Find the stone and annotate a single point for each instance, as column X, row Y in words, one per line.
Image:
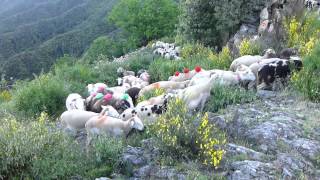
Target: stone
column 292, row 165
column 308, row 148
column 268, row 133
column 218, row 121
column 243, row 170
column 264, row 94
column 166, row 173
column 234, row 150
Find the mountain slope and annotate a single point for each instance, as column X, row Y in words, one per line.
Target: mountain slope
column 33, row 43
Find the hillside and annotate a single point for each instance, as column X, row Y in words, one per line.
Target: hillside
column 34, row 34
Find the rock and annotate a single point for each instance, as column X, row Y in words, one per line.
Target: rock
column 166, row 173
column 133, row 156
column 292, row 165
column 266, row 94
column 267, row 134
column 308, row 148
column 243, row 170
column 143, row 172
column 234, row 150
column 218, row 121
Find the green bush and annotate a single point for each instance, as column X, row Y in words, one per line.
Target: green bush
column 189, row 50
column 75, row 75
column 37, row 150
column 45, row 93
column 145, row 20
column 222, row 96
column 150, row 94
column 142, row 60
column 307, row 80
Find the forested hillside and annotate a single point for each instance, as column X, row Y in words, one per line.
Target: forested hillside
column 34, row 34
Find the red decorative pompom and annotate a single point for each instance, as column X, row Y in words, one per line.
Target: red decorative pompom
column 197, row 69
column 177, row 73
column 186, row 70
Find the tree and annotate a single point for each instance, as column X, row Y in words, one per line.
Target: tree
column 145, row 20
column 212, row 22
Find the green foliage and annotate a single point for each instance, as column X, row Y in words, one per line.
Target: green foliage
column 74, row 75
column 38, row 36
column 212, row 22
column 150, row 94
column 37, row 150
column 189, row 50
column 248, row 47
column 222, row 96
column 45, row 93
column 145, row 20
column 303, row 32
column 307, row 80
column 105, row 47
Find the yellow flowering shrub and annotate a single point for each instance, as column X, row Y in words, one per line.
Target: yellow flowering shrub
column 210, row 142
column 174, row 129
column 303, row 33
column 181, row 134
column 248, row 48
column 5, row 96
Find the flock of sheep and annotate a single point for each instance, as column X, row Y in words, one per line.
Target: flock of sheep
column 115, row 110
column 166, row 50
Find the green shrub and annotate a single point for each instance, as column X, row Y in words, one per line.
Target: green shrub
column 222, row 96
column 142, row 60
column 37, row 150
column 248, row 47
column 189, row 50
column 307, row 80
column 150, row 94
column 45, row 93
column 145, row 20
column 75, row 76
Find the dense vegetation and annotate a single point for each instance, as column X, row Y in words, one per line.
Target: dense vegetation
column 33, row 44
column 213, row 22
column 31, row 145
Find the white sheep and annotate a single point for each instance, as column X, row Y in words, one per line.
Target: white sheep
column 112, row 126
column 249, row 59
column 159, row 100
column 167, row 85
column 76, row 119
column 109, row 111
column 196, row 96
column 75, row 101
